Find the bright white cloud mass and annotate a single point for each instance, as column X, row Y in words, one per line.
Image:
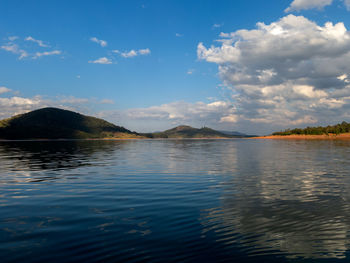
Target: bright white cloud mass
column 292, row 71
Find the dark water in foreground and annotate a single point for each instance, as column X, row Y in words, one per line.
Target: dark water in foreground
column 178, row 200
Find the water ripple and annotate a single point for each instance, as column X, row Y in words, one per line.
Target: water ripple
column 174, row 201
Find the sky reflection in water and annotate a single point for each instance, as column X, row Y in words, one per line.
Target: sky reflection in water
column 176, row 200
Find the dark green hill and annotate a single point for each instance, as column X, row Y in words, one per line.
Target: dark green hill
column 53, row 123
column 190, row 132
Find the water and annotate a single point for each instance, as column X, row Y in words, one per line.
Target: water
column 175, row 201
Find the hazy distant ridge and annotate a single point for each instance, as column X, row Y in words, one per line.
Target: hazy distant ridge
column 54, row 123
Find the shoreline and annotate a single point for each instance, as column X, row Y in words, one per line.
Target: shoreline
column 116, row 139
column 342, row 136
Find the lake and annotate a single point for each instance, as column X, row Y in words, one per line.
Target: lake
column 236, row 200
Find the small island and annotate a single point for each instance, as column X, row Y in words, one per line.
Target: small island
column 54, row 123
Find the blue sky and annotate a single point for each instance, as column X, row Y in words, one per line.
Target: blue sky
column 151, row 65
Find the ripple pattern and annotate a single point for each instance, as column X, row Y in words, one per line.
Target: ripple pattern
column 175, row 201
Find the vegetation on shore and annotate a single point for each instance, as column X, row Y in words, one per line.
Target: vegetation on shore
column 343, row 127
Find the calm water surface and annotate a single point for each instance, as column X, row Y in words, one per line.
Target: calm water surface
column 175, row 200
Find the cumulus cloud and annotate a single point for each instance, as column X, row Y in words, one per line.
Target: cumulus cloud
column 133, row 53
column 102, row 60
column 39, row 42
column 218, row 114
column 16, row 104
column 102, row 43
column 181, row 112
column 290, row 71
column 4, row 90
column 298, row 5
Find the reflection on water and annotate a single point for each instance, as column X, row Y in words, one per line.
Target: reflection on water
column 292, row 200
column 175, row 200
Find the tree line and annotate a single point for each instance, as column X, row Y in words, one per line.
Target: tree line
column 343, row 127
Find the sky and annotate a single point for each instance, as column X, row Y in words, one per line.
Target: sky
column 246, row 65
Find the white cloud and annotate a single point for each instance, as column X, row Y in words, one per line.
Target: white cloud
column 145, row 51
column 347, row 4
column 102, row 60
column 190, row 71
column 298, row 5
column 4, row 90
column 130, row 54
column 102, row 43
column 230, row 118
column 183, row 111
column 133, row 53
column 107, row 101
column 73, row 100
column 16, row 105
column 179, row 35
column 39, row 42
column 13, row 38
column 14, row 48
column 47, row 53
column 281, row 72
column 217, row 26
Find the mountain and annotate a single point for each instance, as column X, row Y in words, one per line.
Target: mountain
column 184, row 131
column 54, row 123
column 235, row 133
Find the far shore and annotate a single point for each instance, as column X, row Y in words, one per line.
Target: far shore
column 342, row 136
column 120, row 139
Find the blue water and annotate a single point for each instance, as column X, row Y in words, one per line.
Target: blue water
column 175, row 201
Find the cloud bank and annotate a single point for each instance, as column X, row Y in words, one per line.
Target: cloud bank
column 298, row 5
column 292, row 71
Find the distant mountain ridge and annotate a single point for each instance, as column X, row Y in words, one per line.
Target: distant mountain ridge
column 54, row 123
column 187, row 132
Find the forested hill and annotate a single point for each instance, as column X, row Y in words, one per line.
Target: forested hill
column 54, row 123
column 343, row 127
column 187, row 132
